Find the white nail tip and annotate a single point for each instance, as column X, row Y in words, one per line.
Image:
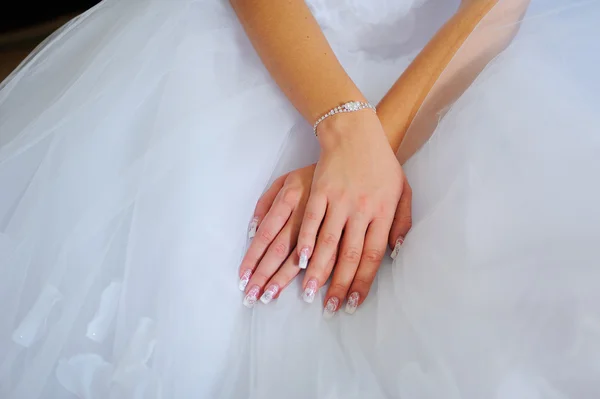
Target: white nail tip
column 251, row 297
column 303, row 263
column 308, row 297
column 266, row 299
column 269, row 294
column 352, row 303
column 310, row 291
column 330, row 308
column 396, row 250
column 244, row 280
column 252, row 228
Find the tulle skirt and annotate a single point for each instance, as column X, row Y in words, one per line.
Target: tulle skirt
column 134, row 144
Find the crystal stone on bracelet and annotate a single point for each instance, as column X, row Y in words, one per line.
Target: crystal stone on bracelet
column 352, row 106
column 347, row 107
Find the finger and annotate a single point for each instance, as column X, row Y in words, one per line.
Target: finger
column 281, row 279
column 277, row 253
column 264, row 204
column 402, row 221
column 348, row 260
column 325, row 252
column 311, row 222
column 285, row 202
column 372, row 255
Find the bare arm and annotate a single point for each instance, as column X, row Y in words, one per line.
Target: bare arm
column 294, row 50
column 400, row 105
column 357, row 184
column 354, row 188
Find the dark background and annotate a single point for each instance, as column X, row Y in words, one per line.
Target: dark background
column 16, row 15
column 24, row 24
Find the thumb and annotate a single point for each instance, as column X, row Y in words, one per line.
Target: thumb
column 402, row 220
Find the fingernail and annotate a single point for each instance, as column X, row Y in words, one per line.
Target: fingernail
column 352, row 303
column 303, row 264
column 309, row 292
column 396, row 250
column 244, row 280
column 330, row 307
column 269, row 294
column 252, row 227
column 251, row 297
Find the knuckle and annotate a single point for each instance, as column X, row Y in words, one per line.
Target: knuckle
column 290, row 196
column 279, row 180
column 362, row 284
column 332, row 260
column 265, row 236
column 342, row 195
column 373, row 255
column 311, row 216
column 382, row 219
column 288, row 179
column 281, row 250
column 330, row 239
column 351, row 255
column 381, row 212
column 364, row 203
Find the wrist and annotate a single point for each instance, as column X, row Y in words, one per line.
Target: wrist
column 343, row 128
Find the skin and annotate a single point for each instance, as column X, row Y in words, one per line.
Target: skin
column 357, row 182
column 357, row 186
column 399, row 107
column 292, row 47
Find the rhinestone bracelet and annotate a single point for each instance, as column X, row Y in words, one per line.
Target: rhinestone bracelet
column 351, row 106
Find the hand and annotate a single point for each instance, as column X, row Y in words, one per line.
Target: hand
column 271, row 262
column 356, row 191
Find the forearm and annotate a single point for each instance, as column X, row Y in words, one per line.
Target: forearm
column 297, row 55
column 399, row 107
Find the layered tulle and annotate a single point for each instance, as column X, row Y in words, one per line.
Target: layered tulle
column 135, row 142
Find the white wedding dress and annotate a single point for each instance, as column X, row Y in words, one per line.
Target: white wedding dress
column 135, row 142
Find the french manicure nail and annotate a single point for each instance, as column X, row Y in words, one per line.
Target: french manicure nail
column 245, row 279
column 309, row 292
column 269, row 294
column 331, row 307
column 396, row 250
column 303, row 264
column 352, row 303
column 252, row 228
column 251, row 297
